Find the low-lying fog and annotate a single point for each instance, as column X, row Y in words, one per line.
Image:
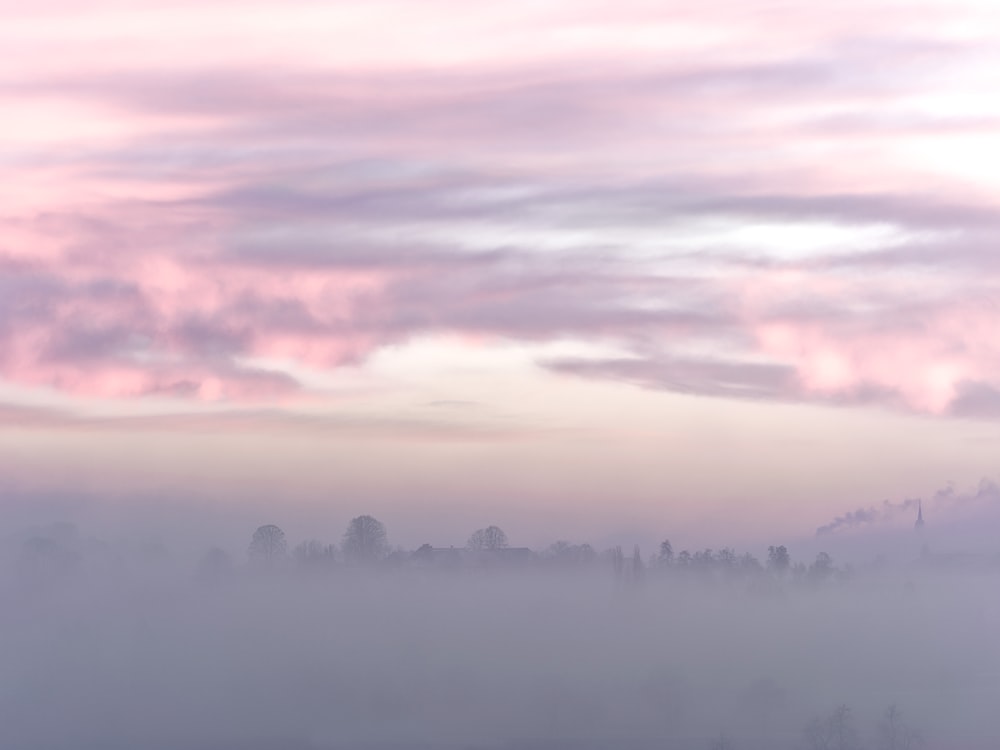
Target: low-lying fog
column 140, row 650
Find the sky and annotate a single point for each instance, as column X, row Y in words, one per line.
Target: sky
column 721, row 271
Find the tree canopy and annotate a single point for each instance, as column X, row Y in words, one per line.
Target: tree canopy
column 267, row 545
column 365, row 540
column 490, row 538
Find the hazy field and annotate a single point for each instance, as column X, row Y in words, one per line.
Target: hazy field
column 156, row 657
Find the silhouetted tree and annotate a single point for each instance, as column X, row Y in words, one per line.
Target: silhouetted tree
column 895, row 734
column 817, row 735
column 315, row 553
column 726, row 558
column 490, row 538
column 268, row 545
column 666, row 555
column 750, row 564
column 720, row 743
column 638, row 568
column 799, row 571
column 704, row 561
column 365, row 540
column 833, row 732
column 822, row 568
column 778, row 560
column 559, row 550
column 617, row 561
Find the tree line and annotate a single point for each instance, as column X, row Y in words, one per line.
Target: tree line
column 365, row 542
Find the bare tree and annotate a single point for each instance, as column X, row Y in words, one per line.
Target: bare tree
column 721, row 743
column 704, row 561
column 666, row 555
column 618, row 561
column 821, row 569
column 268, row 545
column 490, row 538
column 749, row 564
column 638, row 568
column 817, row 736
column 833, row 732
column 726, row 558
column 896, row 734
column 315, row 553
column 365, row 540
column 778, row 559
column 844, row 732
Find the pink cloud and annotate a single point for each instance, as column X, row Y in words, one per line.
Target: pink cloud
column 921, row 341
column 191, row 197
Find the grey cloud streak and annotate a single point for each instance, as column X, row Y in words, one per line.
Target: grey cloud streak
column 705, row 377
column 423, row 421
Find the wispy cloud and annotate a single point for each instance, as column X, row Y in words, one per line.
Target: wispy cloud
column 199, row 217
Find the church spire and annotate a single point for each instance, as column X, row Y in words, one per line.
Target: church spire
column 920, row 516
